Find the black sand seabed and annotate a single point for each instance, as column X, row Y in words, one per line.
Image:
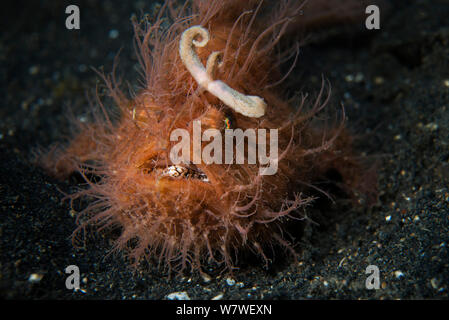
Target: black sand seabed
column 394, row 84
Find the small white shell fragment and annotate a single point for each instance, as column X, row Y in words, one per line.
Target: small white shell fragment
column 230, row 281
column 180, row 295
column 218, row 297
column 206, row 277
column 35, row 277
column 435, row 283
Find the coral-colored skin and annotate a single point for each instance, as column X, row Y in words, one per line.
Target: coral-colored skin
column 186, row 222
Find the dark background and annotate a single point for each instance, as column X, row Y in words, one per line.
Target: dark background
column 394, row 84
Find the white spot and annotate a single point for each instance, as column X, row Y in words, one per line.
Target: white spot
column 181, row 295
column 218, row 297
column 431, row 126
column 230, row 281
column 35, row 277
column 435, row 283
column 349, row 78
column 33, row 70
column 113, row 34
